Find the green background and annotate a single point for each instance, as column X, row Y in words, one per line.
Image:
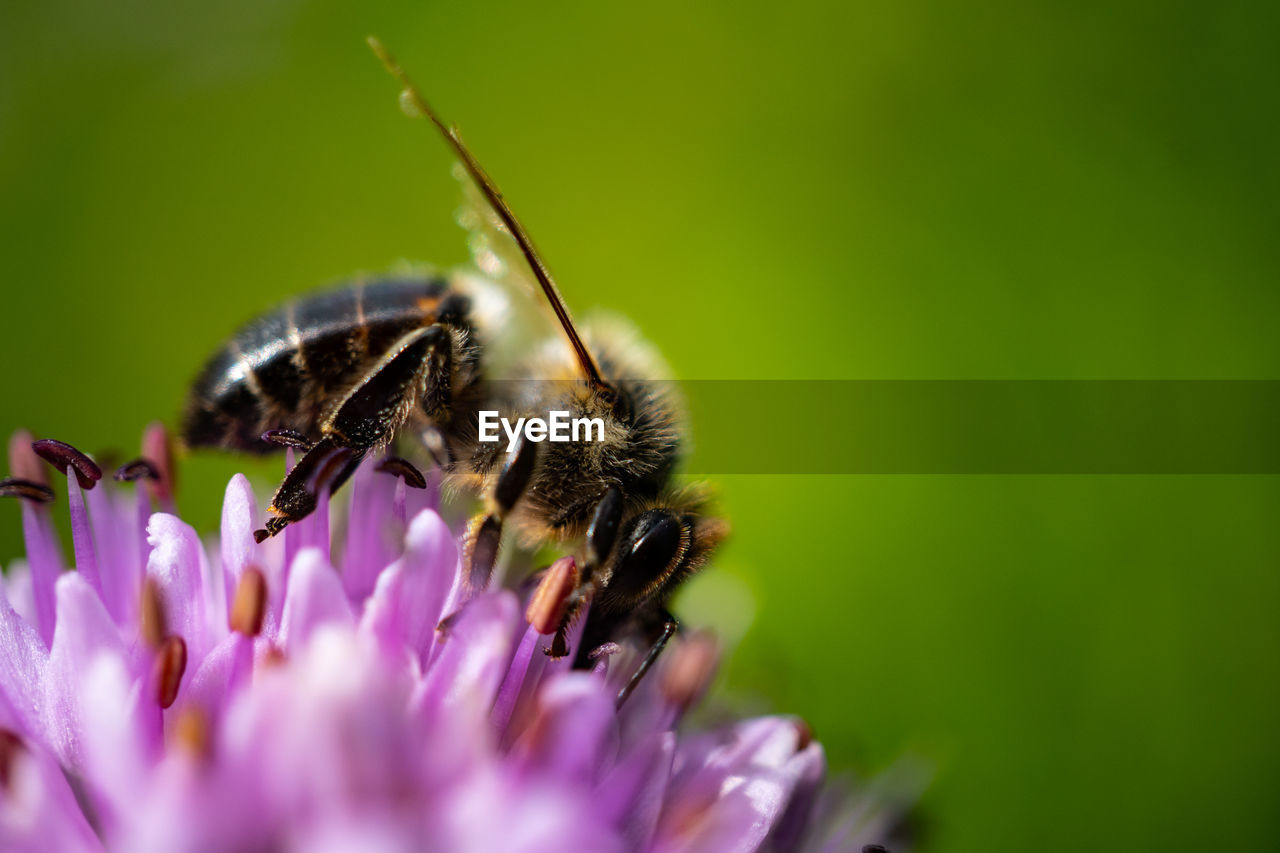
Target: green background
column 874, row 190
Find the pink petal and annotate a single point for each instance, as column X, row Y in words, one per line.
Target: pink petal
column 117, row 751
column 406, row 604
column 23, row 659
column 373, row 539
column 574, row 735
column 239, row 518
column 315, row 597
column 39, row 812
column 631, row 795
column 45, row 559
column 177, row 563
column 85, row 631
column 473, row 657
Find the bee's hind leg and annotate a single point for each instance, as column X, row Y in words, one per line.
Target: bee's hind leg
column 324, row 465
column 415, row 369
column 485, row 532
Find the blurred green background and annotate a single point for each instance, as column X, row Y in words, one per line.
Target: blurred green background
column 832, row 190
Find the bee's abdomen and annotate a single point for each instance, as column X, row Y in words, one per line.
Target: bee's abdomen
column 282, row 370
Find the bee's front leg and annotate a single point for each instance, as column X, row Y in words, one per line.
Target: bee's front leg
column 485, row 531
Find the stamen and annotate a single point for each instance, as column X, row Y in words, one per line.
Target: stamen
column 171, row 664
column 692, row 667
column 23, row 464
column 151, row 614
column 405, row 470
column 34, row 492
column 250, row 605
column 11, row 746
column 287, row 438
column 157, row 447
column 60, row 455
column 550, row 600
column 136, row 470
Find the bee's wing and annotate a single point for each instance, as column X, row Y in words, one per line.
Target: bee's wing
column 510, row 308
column 493, row 250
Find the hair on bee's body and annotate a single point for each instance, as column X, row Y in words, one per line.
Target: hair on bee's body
column 341, row 374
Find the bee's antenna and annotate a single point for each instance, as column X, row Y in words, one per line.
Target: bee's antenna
column 412, row 100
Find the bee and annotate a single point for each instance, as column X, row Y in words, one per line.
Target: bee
column 341, row 374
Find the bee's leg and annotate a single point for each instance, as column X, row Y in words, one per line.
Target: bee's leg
column 599, row 542
column 325, row 464
column 669, row 626
column 367, row 418
column 416, row 369
column 485, row 532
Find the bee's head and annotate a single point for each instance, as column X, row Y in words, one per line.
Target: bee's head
column 657, row 548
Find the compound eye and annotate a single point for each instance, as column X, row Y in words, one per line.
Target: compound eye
column 648, row 551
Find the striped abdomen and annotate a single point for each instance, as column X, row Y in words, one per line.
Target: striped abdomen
column 284, row 369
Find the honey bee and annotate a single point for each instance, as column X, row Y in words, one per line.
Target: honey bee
column 341, row 374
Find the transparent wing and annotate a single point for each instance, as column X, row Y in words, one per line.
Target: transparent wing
column 493, row 250
column 509, row 309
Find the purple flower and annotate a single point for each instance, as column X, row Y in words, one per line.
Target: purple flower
column 171, row 696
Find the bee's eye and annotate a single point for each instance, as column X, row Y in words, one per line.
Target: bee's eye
column 650, row 547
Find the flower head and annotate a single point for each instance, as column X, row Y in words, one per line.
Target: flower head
column 168, row 696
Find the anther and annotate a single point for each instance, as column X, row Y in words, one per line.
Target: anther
column 287, row 438
column 23, row 463
column 34, row 492
column 171, row 664
column 804, row 734
column 600, row 656
column 191, row 730
column 59, row 454
column 874, row 848
column 151, row 614
column 403, row 469
column 138, row 469
column 250, row 605
column 11, row 746
column 604, row 650
column 692, row 666
column 550, row 600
